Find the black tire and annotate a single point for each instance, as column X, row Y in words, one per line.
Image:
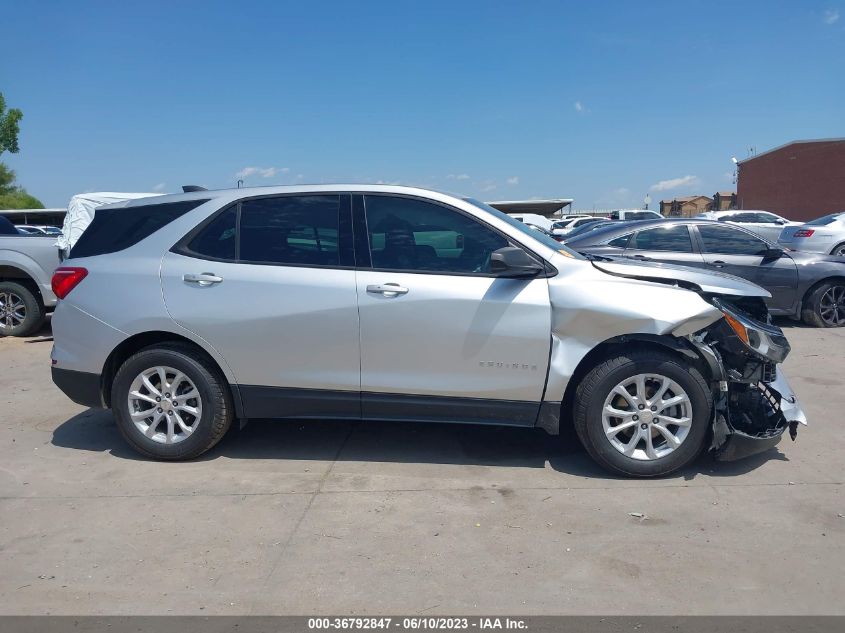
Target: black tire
column 838, row 249
column 816, row 310
column 30, row 302
column 217, row 409
column 597, row 385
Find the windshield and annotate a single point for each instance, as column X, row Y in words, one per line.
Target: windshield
column 827, row 219
column 542, row 237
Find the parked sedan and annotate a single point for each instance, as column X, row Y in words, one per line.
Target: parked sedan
column 763, row 223
column 823, row 235
column 803, row 285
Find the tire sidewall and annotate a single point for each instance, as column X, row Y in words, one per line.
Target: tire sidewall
column 203, row 379
column 815, row 316
column 701, row 403
column 34, row 311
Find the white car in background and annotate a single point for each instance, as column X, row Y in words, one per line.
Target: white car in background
column 566, row 226
column 534, row 220
column 765, row 224
column 634, row 214
column 823, row 235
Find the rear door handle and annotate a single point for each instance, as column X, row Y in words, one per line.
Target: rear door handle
column 718, row 263
column 388, row 289
column 202, row 279
column 642, row 257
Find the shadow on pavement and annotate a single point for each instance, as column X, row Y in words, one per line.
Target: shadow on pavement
column 458, row 444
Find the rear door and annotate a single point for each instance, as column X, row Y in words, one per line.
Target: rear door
column 441, row 337
column 270, row 283
column 737, row 252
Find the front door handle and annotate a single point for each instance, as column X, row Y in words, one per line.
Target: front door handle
column 202, row 279
column 388, row 289
column 718, row 263
column 641, row 257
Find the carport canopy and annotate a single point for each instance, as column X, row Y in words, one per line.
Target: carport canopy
column 546, row 208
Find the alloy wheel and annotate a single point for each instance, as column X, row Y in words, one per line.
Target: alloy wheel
column 647, row 416
column 12, row 310
column 832, row 306
column 164, row 404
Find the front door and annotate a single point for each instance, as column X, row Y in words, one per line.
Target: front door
column 736, row 252
column 442, row 339
column 270, row 284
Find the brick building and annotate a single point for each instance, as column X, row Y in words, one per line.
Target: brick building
column 801, row 180
column 685, row 206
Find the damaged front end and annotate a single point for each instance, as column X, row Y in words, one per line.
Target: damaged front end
column 754, row 404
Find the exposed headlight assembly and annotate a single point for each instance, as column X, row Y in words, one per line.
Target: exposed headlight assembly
column 763, row 339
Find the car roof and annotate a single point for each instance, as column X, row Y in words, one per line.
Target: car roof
column 283, row 189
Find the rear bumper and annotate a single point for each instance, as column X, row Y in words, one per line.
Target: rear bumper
column 80, row 386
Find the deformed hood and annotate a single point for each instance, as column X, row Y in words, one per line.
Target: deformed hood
column 708, row 281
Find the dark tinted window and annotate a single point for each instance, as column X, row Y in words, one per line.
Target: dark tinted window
column 641, row 215
column 408, row 234
column 741, row 218
column 295, row 230
column 6, row 227
column 728, row 241
column 827, row 219
column 620, row 242
column 217, row 239
column 673, row 238
column 116, row 229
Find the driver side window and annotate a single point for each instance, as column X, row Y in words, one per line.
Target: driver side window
column 417, row 236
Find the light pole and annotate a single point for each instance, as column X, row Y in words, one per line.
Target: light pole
column 647, row 200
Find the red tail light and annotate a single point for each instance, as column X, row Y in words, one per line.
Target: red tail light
column 804, row 233
column 66, row 279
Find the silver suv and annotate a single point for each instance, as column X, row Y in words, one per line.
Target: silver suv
column 185, row 312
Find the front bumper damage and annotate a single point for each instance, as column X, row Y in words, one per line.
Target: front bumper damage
column 754, row 403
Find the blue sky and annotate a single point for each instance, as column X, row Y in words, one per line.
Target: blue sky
column 599, row 101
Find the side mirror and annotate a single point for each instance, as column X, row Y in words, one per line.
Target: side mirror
column 514, row 262
column 773, row 253
column 781, row 222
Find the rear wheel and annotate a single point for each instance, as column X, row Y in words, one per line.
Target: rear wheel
column 21, row 312
column 825, row 305
column 839, row 249
column 643, row 414
column 170, row 402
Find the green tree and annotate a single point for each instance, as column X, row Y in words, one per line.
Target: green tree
column 9, row 128
column 12, row 196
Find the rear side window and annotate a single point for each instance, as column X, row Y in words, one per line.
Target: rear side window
column 673, row 239
column 293, row 230
column 290, row 230
column 620, row 242
column 114, row 230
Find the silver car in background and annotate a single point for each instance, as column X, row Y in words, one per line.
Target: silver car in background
column 764, row 223
column 185, row 312
column 823, row 235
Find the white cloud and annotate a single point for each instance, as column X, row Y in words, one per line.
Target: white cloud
column 831, row 16
column 160, row 186
column 674, row 183
column 579, row 107
column 263, row 172
column 458, row 176
column 514, row 180
column 487, row 185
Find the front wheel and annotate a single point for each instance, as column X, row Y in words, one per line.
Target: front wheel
column 171, row 403
column 643, row 414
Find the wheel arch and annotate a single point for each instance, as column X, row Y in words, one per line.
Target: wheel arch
column 137, row 342
column 815, row 286
column 625, row 343
column 840, row 244
column 25, row 278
